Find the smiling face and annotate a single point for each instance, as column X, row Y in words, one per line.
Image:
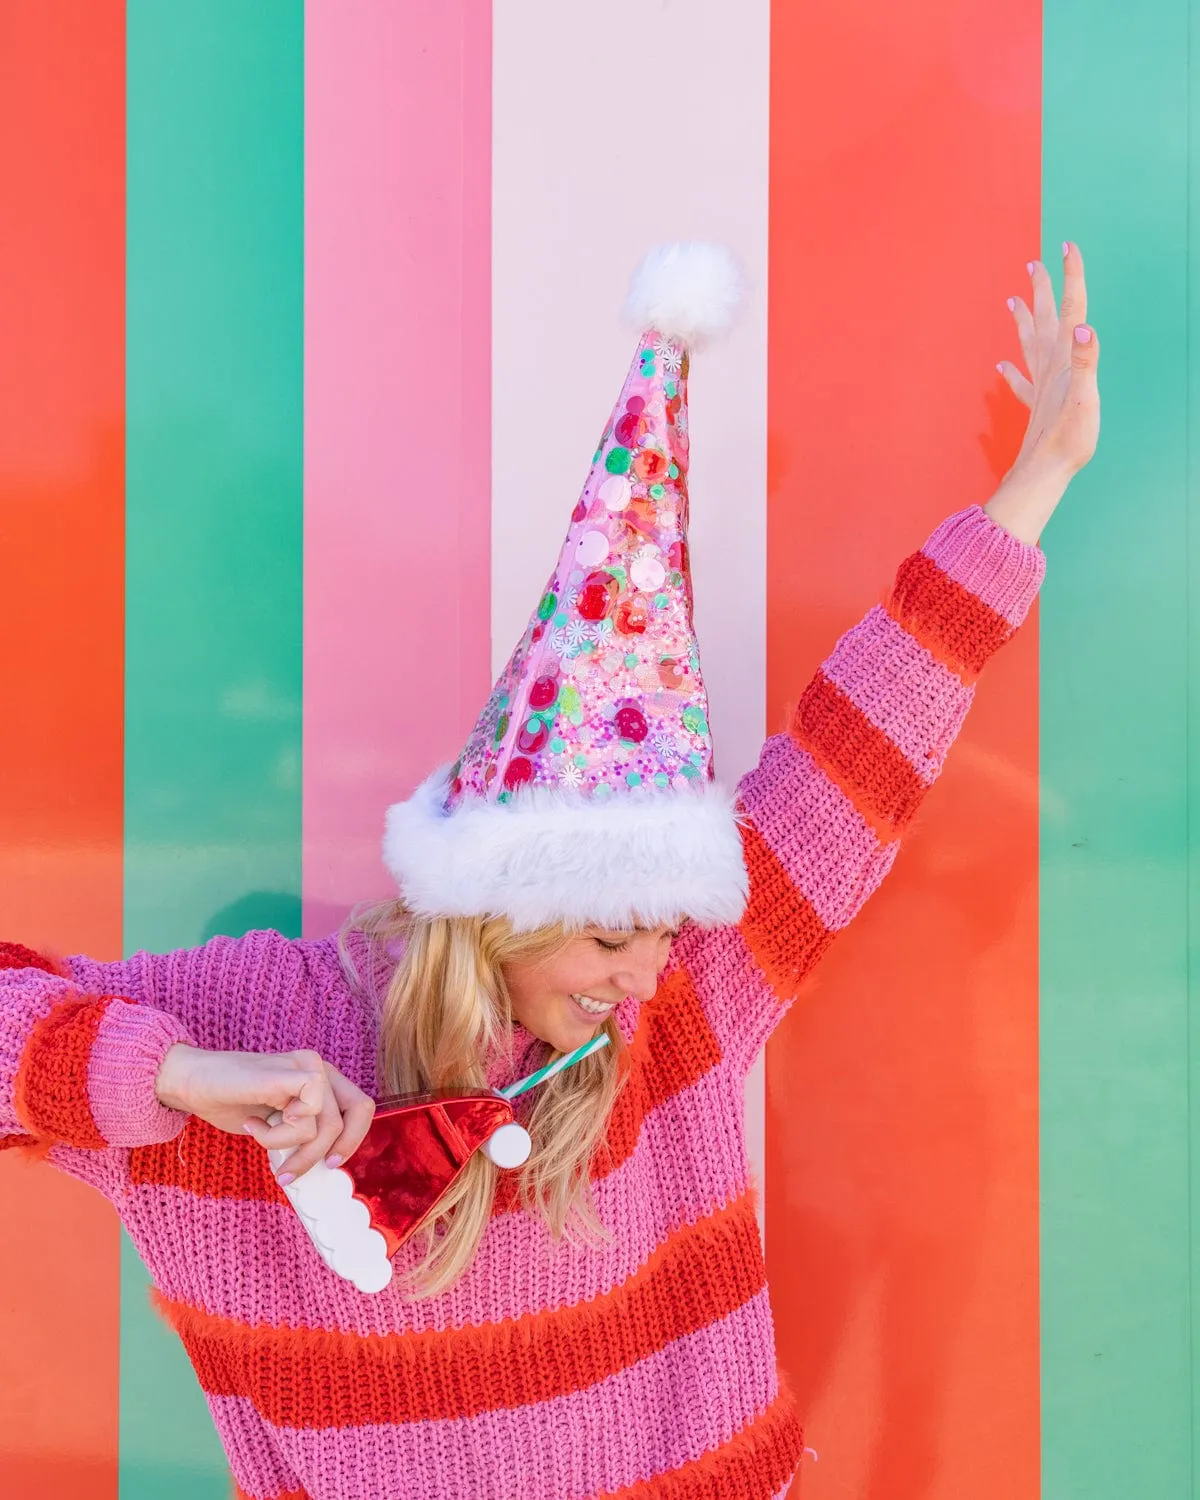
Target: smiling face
column 564, row 999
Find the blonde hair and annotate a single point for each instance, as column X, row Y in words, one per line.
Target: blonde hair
column 445, row 1015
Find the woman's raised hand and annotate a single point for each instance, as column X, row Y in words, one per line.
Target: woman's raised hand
column 325, row 1116
column 1061, row 354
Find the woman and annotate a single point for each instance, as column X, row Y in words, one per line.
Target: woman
column 598, row 1324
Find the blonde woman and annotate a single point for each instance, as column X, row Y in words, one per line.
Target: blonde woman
column 597, row 1323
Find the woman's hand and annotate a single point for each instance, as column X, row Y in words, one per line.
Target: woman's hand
column 1061, row 353
column 324, row 1114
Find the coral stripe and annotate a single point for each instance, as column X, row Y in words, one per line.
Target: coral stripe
column 506, row 1452
column 62, row 435
column 397, row 464
column 882, row 669
column 955, row 626
column 859, row 757
column 51, row 1094
column 298, row 1377
column 902, row 1174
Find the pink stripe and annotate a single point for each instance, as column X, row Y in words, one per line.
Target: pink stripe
column 513, row 1274
column 989, row 561
column 574, row 1446
column 819, row 837
column 252, row 1448
column 918, row 703
column 397, row 428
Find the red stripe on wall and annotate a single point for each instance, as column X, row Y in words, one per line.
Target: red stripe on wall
column 62, row 273
column 901, row 1126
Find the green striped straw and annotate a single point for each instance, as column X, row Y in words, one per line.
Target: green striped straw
column 557, row 1066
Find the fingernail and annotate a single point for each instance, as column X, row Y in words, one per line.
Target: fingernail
column 334, row 1160
column 1066, row 248
column 1083, row 334
column 1029, row 265
column 1012, row 304
column 286, row 1178
column 1000, row 368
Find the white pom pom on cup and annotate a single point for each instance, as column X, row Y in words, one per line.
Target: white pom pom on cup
column 691, row 291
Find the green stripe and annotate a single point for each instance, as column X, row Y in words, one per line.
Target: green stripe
column 1116, row 1230
column 214, row 561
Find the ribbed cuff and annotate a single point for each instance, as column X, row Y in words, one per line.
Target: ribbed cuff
column 122, row 1070
column 992, row 563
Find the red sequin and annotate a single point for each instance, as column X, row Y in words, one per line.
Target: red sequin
column 597, row 596
column 543, row 693
column 636, row 404
column 630, row 428
column 631, row 617
column 631, row 724
column 519, row 773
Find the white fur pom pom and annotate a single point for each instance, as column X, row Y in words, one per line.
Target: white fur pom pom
column 688, row 291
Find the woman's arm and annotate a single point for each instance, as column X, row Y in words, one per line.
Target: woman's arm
column 830, row 800
column 96, row 1055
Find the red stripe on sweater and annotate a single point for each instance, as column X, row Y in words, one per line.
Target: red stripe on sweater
column 302, row 1377
column 782, row 930
column 754, row 1464
column 17, row 956
column 51, row 1091
column 873, row 772
column 673, row 1048
column 240, row 1494
column 954, row 625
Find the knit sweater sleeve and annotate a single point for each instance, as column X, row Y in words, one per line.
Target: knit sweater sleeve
column 81, row 1042
column 826, row 807
column 78, row 1069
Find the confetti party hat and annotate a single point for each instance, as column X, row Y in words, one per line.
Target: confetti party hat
column 586, row 792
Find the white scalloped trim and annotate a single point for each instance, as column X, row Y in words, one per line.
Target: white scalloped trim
column 338, row 1224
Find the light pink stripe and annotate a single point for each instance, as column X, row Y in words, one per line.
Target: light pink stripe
column 918, row 703
column 252, row 1449
column 665, row 1411
column 397, row 430
column 131, row 1042
column 517, row 1270
column 989, row 561
column 815, row 831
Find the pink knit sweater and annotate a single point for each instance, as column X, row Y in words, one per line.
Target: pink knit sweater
column 642, row 1368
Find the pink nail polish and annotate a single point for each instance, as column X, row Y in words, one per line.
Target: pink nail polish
column 1066, row 248
column 1083, row 334
column 1029, row 265
column 334, row 1161
column 285, row 1179
column 1012, row 304
column 1000, row 368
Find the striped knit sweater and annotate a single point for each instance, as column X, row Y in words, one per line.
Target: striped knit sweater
column 641, row 1368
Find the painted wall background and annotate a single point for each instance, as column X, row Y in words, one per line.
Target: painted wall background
column 286, row 297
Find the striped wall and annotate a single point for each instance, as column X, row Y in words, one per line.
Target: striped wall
column 307, row 330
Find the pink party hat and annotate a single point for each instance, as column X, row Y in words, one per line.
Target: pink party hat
column 586, row 792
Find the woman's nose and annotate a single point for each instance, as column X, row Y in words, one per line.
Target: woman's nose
column 641, row 981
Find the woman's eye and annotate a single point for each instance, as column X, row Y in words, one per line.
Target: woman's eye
column 613, row 947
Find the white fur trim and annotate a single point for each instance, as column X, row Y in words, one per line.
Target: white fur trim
column 645, row 858
column 689, row 291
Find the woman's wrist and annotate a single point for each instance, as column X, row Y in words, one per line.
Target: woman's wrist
column 168, row 1085
column 1028, row 497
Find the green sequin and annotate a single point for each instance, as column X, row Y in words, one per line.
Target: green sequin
column 632, row 778
column 581, row 762
column 673, row 470
column 557, row 746
column 661, row 601
column 617, row 462
column 662, row 779
column 547, row 607
column 631, row 660
column 657, row 491
column 694, row 721
column 690, row 772
column 501, row 727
